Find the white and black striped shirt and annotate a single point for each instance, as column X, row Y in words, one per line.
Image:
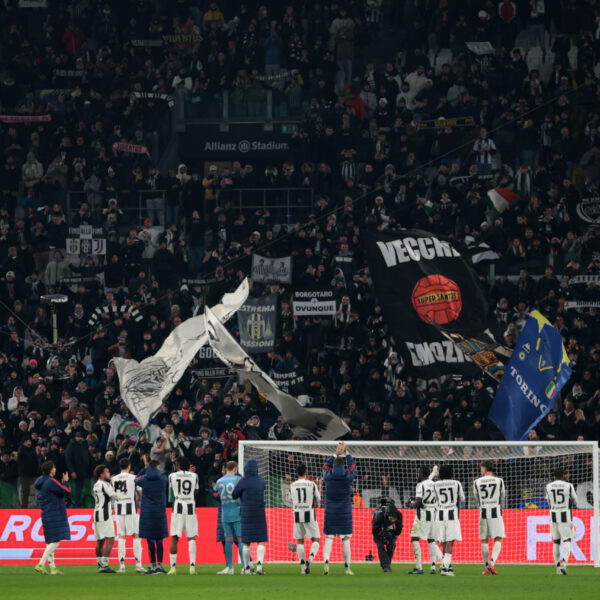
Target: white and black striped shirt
column 124, row 486
column 103, row 495
column 562, row 499
column 305, row 495
column 489, row 494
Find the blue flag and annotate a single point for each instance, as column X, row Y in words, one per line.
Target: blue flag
column 537, row 371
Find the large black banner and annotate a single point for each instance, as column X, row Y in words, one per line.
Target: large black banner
column 420, row 280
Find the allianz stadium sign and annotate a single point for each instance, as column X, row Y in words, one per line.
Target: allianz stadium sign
column 244, row 146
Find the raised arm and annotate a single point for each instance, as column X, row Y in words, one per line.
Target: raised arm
column 351, row 473
column 327, row 468
column 59, row 488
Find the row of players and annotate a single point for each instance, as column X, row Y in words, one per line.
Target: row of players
column 242, row 515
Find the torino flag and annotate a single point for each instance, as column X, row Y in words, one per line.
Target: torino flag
column 425, row 285
column 306, row 423
column 145, row 385
column 537, row 371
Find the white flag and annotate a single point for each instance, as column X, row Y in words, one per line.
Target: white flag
column 145, row 385
column 306, row 423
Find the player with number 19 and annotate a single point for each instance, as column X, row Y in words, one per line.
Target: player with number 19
column 562, row 498
column 305, row 495
column 183, row 484
column 490, row 494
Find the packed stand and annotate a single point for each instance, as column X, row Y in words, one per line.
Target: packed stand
column 361, row 148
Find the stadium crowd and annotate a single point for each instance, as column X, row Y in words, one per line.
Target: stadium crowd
column 368, row 149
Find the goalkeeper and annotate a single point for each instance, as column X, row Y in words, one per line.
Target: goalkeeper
column 386, row 527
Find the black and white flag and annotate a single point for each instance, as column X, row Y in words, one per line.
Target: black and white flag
column 145, row 385
column 306, row 423
column 257, row 321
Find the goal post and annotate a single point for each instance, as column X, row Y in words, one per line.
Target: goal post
column 389, row 470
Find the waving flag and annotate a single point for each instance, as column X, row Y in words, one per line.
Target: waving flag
column 306, row 423
column 145, row 385
column 536, row 373
column 502, row 198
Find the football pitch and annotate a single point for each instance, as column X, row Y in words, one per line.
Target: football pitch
column 285, row 582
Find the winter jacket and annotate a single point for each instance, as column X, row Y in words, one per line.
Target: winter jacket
column 250, row 489
column 78, row 459
column 338, row 496
column 51, row 495
column 153, row 512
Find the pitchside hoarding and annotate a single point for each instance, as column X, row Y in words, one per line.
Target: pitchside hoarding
column 528, row 538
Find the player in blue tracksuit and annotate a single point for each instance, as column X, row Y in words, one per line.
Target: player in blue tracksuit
column 230, row 516
column 338, row 475
column 153, row 512
column 250, row 489
column 51, row 495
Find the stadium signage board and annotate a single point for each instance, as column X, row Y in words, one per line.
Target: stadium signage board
column 308, row 303
column 528, row 538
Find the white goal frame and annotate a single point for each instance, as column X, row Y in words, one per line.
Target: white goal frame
column 591, row 446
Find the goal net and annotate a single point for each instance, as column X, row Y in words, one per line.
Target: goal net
column 389, row 470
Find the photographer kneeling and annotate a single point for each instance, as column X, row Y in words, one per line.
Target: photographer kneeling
column 386, row 527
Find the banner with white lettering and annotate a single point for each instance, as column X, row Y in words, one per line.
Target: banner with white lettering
column 257, row 321
column 307, row 303
column 424, row 284
column 292, row 381
column 265, row 269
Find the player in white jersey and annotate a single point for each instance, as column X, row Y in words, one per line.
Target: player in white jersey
column 104, row 528
column 128, row 519
column 561, row 498
column 424, row 525
column 490, row 494
column 449, row 494
column 305, row 496
column 183, row 484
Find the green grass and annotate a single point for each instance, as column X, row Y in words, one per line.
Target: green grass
column 284, row 582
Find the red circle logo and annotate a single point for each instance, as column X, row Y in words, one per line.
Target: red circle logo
column 437, row 298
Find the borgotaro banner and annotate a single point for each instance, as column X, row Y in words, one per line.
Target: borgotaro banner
column 536, row 372
column 424, row 284
column 266, row 269
column 257, row 322
column 145, row 385
column 308, row 303
column 306, row 423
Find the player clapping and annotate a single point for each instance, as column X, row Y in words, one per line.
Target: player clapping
column 338, row 504
column 449, row 494
column 489, row 494
column 183, row 484
column 562, row 498
column 305, row 496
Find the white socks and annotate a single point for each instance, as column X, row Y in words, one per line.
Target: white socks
column 301, row 553
column 137, row 550
column 485, row 553
column 434, row 553
column 566, row 551
column 496, row 552
column 173, row 560
column 346, row 551
column 121, row 550
column 192, row 549
column 247, row 555
column 314, row 548
column 260, row 554
column 556, row 553
column 327, row 549
column 48, row 555
column 417, row 552
column 446, row 560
